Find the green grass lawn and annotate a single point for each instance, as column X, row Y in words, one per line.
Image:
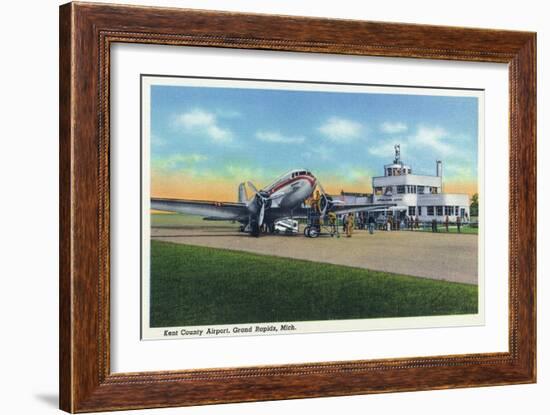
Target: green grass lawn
column 192, row 285
column 465, row 229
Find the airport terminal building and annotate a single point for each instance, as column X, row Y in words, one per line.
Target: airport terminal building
column 414, row 194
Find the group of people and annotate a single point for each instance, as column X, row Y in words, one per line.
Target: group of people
column 408, row 222
column 458, row 222
column 349, row 222
column 412, row 223
column 352, row 221
column 363, row 220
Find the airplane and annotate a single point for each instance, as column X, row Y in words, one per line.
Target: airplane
column 284, row 198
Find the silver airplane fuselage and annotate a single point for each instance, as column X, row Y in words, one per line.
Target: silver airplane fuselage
column 290, row 190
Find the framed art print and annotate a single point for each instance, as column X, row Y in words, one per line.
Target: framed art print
column 262, row 207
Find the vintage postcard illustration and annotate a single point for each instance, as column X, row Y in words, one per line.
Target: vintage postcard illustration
column 275, row 207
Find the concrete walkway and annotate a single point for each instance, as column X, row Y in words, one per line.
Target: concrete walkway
column 439, row 256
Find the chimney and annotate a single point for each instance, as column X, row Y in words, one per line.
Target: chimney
column 439, row 168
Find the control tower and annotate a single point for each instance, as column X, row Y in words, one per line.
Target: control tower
column 418, row 195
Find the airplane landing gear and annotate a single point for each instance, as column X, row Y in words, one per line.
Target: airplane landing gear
column 316, row 227
column 311, row 231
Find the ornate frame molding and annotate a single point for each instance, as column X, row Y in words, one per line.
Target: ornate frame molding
column 86, row 34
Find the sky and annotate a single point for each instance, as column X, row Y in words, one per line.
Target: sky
column 206, row 140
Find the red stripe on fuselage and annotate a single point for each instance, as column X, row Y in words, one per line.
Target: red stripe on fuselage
column 310, row 179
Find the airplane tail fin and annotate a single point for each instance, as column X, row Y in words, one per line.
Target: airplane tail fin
column 242, row 195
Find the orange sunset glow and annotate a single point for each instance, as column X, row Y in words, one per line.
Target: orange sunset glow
column 225, row 190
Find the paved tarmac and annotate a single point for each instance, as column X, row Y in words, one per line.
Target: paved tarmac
column 441, row 256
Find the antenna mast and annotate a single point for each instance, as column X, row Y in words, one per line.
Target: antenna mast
column 397, row 159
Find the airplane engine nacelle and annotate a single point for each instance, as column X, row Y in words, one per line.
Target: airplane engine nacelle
column 262, row 198
column 326, row 203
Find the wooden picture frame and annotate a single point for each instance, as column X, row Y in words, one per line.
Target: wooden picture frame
column 86, row 33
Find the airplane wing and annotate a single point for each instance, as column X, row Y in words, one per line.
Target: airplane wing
column 210, row 210
column 276, row 213
column 341, row 209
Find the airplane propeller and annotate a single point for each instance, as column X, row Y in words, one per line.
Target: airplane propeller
column 263, row 200
column 327, row 202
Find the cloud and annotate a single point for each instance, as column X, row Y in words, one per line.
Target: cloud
column 275, row 137
column 433, row 138
column 341, row 130
column 204, row 122
column 393, row 127
column 178, row 161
